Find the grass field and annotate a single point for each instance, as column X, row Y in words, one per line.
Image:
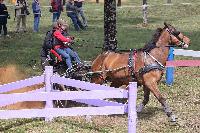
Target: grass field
column 183, row 96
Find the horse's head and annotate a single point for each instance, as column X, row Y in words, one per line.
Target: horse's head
column 176, row 37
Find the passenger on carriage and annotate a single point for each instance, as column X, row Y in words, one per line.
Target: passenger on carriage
column 62, row 44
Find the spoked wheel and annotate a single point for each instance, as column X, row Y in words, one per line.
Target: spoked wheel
column 59, row 103
column 78, row 74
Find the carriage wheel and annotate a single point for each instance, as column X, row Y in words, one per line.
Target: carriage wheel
column 80, row 74
column 59, row 103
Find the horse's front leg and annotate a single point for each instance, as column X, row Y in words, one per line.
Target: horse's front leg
column 145, row 100
column 152, row 85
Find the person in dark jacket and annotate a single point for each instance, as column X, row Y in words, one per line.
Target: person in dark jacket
column 3, row 17
column 64, row 50
column 57, row 7
column 79, row 5
column 72, row 12
column 37, row 14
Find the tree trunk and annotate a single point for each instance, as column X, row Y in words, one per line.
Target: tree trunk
column 169, row 1
column 144, row 9
column 110, row 31
column 97, row 1
column 119, row 3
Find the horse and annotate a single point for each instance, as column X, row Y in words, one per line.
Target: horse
column 144, row 66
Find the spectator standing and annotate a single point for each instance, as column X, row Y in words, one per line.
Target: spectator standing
column 3, row 17
column 72, row 12
column 79, row 5
column 37, row 14
column 57, row 7
column 21, row 12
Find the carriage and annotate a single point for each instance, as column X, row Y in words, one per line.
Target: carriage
column 52, row 58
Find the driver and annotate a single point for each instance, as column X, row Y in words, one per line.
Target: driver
column 62, row 44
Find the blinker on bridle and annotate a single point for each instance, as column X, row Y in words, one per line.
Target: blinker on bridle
column 176, row 34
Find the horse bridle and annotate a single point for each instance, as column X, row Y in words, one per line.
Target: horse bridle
column 176, row 34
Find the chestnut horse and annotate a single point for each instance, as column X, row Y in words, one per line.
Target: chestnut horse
column 144, row 66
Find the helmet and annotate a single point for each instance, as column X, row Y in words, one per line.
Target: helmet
column 61, row 23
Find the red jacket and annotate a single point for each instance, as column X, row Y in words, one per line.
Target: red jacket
column 57, row 5
column 59, row 39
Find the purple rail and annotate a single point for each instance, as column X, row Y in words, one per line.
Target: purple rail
column 80, row 84
column 65, row 95
column 98, row 102
column 5, row 102
column 55, row 112
column 21, row 84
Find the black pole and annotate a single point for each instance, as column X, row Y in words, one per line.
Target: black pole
column 64, row 1
column 119, row 3
column 110, row 31
column 169, row 1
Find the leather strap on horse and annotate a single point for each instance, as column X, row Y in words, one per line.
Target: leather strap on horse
column 131, row 62
column 157, row 65
column 150, row 67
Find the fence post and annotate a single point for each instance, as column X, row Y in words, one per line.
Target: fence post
column 132, row 114
column 170, row 70
column 48, row 87
column 144, row 11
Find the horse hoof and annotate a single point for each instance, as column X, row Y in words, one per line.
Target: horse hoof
column 139, row 108
column 173, row 118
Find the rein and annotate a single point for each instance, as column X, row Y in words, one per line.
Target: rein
column 108, row 70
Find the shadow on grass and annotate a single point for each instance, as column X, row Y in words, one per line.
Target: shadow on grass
column 81, row 125
column 148, row 112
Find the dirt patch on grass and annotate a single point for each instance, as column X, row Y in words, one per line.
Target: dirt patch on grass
column 11, row 74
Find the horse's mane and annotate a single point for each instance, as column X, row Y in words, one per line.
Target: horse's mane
column 152, row 44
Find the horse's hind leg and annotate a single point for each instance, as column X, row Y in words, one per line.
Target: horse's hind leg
column 145, row 100
column 152, row 85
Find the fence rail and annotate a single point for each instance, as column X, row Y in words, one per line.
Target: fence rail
column 183, row 63
column 21, row 84
column 56, row 112
column 65, row 95
column 171, row 63
column 187, row 52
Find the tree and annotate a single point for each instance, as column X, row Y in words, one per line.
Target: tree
column 110, row 31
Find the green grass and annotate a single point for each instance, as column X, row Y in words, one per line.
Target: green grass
column 183, row 97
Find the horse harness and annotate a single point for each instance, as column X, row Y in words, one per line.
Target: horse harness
column 131, row 62
column 157, row 65
column 131, row 66
column 132, row 59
